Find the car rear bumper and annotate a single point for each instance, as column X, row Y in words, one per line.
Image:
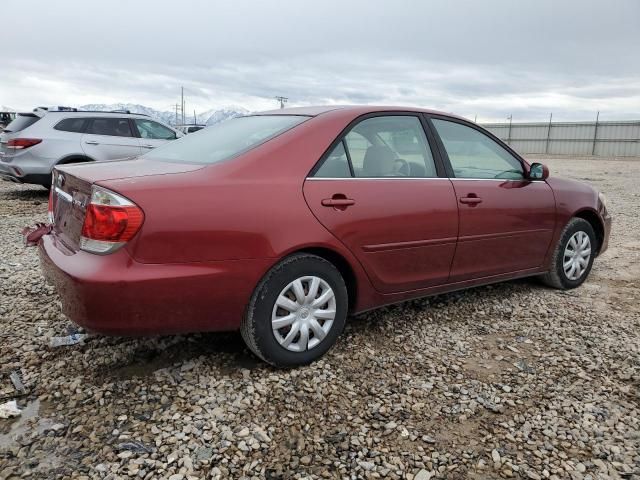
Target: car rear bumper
column 115, row 295
column 25, row 169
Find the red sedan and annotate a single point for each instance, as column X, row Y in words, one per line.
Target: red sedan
column 280, row 224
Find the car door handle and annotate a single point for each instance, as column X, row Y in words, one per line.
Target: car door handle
column 338, row 201
column 146, row 146
column 470, row 200
column 91, row 142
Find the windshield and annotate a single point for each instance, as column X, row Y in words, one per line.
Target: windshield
column 225, row 140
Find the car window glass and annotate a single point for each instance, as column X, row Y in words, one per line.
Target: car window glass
column 74, row 125
column 336, row 165
column 474, row 155
column 390, row 146
column 226, row 139
column 22, row 121
column 154, row 131
column 116, row 127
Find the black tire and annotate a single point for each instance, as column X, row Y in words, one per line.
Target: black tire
column 556, row 277
column 256, row 326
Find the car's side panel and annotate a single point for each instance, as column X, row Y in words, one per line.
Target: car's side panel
column 571, row 198
column 509, row 230
column 403, row 231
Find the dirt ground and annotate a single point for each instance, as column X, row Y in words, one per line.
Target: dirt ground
column 513, row 380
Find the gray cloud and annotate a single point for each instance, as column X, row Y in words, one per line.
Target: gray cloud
column 490, row 58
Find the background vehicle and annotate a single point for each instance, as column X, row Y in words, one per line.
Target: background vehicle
column 34, row 142
column 282, row 223
column 191, row 128
column 6, row 118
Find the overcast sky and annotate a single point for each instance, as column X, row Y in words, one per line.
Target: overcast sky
column 489, row 58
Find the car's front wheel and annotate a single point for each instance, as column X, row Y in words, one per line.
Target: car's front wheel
column 573, row 257
column 297, row 311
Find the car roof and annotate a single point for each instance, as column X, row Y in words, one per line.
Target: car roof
column 357, row 110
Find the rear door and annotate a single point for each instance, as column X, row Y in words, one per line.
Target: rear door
column 152, row 134
column 378, row 190
column 108, row 138
column 506, row 221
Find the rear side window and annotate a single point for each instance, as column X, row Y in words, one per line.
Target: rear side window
column 336, row 165
column 154, row 131
column 384, row 146
column 22, row 121
column 225, row 140
column 115, row 127
column 75, row 125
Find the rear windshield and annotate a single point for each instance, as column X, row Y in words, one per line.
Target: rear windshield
column 225, row 140
column 22, row 121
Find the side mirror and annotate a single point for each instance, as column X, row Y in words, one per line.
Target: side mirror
column 538, row 171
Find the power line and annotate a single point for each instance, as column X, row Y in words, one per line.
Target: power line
column 282, row 100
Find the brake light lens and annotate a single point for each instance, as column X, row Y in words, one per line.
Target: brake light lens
column 22, row 143
column 110, row 221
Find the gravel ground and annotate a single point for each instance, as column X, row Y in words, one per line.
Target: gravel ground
column 512, row 380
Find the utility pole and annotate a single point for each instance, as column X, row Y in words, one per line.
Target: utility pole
column 282, row 100
column 182, row 103
column 510, row 117
column 194, row 118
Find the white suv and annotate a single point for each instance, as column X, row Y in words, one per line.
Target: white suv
column 35, row 142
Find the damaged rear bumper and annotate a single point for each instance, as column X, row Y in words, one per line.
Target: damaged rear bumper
column 115, row 295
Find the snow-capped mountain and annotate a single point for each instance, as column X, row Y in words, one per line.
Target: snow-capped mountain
column 208, row 117
column 4, row 108
column 217, row 116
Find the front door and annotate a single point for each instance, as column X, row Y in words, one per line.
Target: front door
column 379, row 193
column 506, row 221
column 108, row 138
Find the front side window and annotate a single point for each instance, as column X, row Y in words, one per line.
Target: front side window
column 225, row 140
column 474, row 155
column 115, row 127
column 390, row 146
column 153, row 130
column 74, row 125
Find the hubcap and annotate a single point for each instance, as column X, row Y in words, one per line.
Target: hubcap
column 303, row 314
column 576, row 255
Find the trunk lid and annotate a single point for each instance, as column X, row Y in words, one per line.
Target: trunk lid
column 70, row 196
column 71, row 189
column 115, row 169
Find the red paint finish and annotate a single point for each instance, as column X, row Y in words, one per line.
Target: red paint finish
column 211, row 232
column 509, row 226
column 403, row 231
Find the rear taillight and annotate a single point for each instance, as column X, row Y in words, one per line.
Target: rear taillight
column 110, row 221
column 22, row 143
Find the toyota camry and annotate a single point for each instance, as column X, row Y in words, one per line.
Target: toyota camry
column 282, row 224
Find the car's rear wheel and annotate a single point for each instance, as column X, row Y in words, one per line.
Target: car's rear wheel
column 296, row 312
column 573, row 256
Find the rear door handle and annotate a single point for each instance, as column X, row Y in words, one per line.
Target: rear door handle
column 146, row 146
column 91, row 142
column 338, row 202
column 470, row 200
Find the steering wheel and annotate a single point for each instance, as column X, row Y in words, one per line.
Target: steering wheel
column 508, row 174
column 401, row 168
